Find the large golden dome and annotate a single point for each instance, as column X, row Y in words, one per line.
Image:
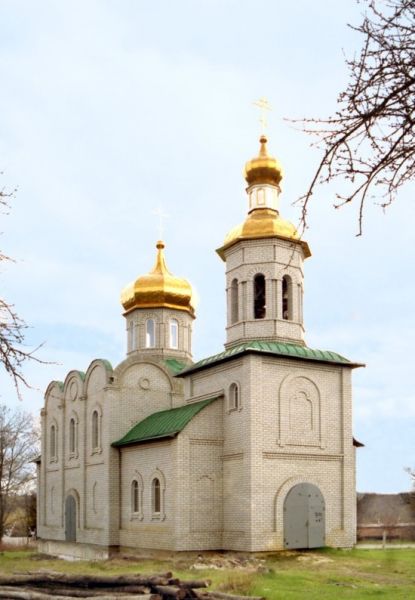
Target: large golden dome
column 158, row 289
column 263, row 223
column 263, row 168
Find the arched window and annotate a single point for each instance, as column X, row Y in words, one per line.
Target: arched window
column 130, row 336
column 156, row 495
column 135, row 497
column 287, row 300
column 133, row 339
column 234, row 301
column 173, row 333
column 259, row 296
column 150, row 333
column 52, row 444
column 95, row 430
column 300, row 302
column 234, row 400
column 72, row 436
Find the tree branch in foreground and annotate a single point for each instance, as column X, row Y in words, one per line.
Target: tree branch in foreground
column 12, row 329
column 370, row 141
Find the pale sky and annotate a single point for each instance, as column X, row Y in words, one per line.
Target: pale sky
column 112, row 108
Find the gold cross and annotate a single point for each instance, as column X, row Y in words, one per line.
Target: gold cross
column 263, row 105
column 161, row 215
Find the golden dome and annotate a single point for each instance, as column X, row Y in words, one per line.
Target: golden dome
column 158, row 289
column 263, row 223
column 263, row 168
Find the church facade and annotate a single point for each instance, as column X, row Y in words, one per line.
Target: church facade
column 247, row 450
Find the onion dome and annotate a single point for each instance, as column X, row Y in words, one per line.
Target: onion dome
column 263, row 168
column 263, row 175
column 263, row 223
column 158, row 289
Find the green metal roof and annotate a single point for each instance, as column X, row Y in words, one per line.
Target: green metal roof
column 273, row 348
column 174, row 366
column 166, row 423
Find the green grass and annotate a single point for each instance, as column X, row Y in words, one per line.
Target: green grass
column 315, row 575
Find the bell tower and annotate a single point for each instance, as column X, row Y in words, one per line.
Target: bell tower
column 264, row 263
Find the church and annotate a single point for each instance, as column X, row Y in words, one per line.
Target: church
column 247, row 450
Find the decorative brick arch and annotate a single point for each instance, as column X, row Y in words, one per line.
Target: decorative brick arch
column 298, row 383
column 106, row 371
column 137, row 477
column 96, row 408
column 258, row 270
column 75, row 495
column 132, row 360
column 73, row 387
column 278, row 521
column 48, row 430
column 72, row 416
column 158, row 474
column 54, row 394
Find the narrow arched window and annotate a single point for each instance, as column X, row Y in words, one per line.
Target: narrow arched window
column 234, row 301
column 259, row 296
column 234, row 401
column 52, row 448
column 95, row 430
column 72, row 436
column 287, row 300
column 156, row 495
column 173, row 333
column 135, row 497
column 130, row 336
column 150, row 333
column 133, row 340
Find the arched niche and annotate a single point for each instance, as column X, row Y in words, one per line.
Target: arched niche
column 300, row 412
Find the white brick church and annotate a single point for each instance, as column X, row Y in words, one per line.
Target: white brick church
column 250, row 449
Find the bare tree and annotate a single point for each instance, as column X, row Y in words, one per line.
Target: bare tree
column 12, row 328
column 18, row 447
column 370, row 140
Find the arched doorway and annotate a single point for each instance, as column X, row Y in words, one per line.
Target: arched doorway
column 70, row 519
column 304, row 517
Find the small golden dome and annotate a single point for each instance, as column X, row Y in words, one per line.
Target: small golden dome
column 158, row 289
column 263, row 223
column 263, row 168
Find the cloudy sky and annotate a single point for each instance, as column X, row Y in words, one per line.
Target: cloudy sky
column 112, row 108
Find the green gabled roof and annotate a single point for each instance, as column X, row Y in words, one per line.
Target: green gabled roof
column 163, row 424
column 174, row 366
column 275, row 349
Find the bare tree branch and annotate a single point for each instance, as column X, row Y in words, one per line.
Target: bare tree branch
column 19, row 444
column 13, row 353
column 369, row 142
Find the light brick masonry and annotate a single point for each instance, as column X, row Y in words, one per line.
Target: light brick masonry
column 222, row 481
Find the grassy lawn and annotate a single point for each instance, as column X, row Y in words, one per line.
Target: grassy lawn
column 314, row 575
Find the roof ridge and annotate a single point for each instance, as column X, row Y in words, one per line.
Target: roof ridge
column 277, row 348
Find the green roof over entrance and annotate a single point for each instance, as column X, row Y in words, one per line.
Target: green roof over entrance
column 163, row 424
column 273, row 348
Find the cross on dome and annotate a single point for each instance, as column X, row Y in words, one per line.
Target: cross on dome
column 263, row 106
column 159, row 212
